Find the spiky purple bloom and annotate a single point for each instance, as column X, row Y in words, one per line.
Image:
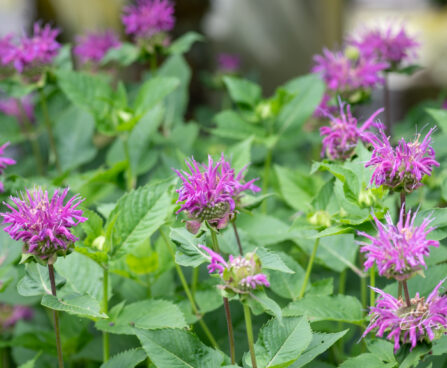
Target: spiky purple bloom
column 344, row 74
column 11, row 314
column 148, row 17
column 386, row 45
column 229, row 63
column 93, row 46
column 403, row 324
column 403, row 167
column 342, row 135
column 240, row 274
column 11, row 107
column 398, row 250
column 211, row 192
column 4, row 162
column 35, row 51
column 42, row 224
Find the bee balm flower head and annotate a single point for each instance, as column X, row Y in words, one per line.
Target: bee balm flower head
column 93, row 46
column 43, row 224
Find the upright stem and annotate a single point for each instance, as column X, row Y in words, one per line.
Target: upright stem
column 28, row 127
column 399, row 289
column 363, row 292
column 130, row 179
column 56, row 318
column 342, row 282
column 190, row 297
column 153, row 62
column 309, row 268
column 226, row 304
column 407, row 295
column 43, row 101
column 105, row 309
column 250, row 339
column 194, row 280
column 265, row 185
column 238, row 240
column 387, row 104
column 372, row 283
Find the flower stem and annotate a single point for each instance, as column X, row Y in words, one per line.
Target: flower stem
column 43, row 101
column 153, row 62
column 105, row 309
column 372, row 283
column 403, row 205
column 407, row 295
column 342, row 282
column 194, row 280
column 238, row 240
column 265, row 186
column 363, row 292
column 28, row 127
column 56, row 317
column 387, row 104
column 250, row 339
column 399, row 289
column 190, row 297
column 130, row 179
column 309, row 268
column 226, row 304
column 230, row 330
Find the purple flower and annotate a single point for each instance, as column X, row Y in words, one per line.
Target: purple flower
column 398, row 250
column 405, row 324
column 43, row 225
column 342, row 135
column 343, row 74
column 10, row 315
column 229, row 63
column 240, row 274
column 35, row 51
column 386, row 45
column 4, row 162
column 11, row 107
column 324, row 108
column 211, row 192
column 148, row 17
column 403, row 167
column 93, row 46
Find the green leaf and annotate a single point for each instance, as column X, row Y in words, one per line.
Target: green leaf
column 82, row 274
column 146, row 314
column 35, row 282
column 32, row 362
column 124, row 55
column 76, row 148
column 189, row 254
column 439, row 222
column 178, row 349
column 152, row 92
column 383, row 349
column 346, row 176
column 138, row 215
column 231, row 125
column 309, row 89
column 183, row 44
column 366, row 360
column 78, row 305
column 287, row 285
column 260, row 302
column 127, row 359
column 272, row 261
column 243, row 91
column 240, row 154
column 341, row 308
column 93, row 227
column 319, row 344
column 142, row 265
column 280, row 343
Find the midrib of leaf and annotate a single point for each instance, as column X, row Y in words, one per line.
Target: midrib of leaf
column 48, row 291
column 175, row 356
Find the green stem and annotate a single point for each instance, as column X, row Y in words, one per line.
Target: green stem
column 372, row 283
column 341, row 291
column 105, row 309
column 56, row 317
column 194, row 280
column 4, row 359
column 214, row 241
column 43, row 101
column 363, row 292
column 194, row 307
column 309, row 268
column 28, row 127
column 250, row 339
column 265, row 185
column 238, row 240
column 407, row 295
column 153, row 62
column 342, row 282
column 130, row 179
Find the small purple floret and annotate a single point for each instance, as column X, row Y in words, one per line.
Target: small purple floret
column 11, row 107
column 229, row 63
column 93, row 46
column 10, row 315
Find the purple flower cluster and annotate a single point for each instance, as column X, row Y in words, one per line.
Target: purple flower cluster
column 11, row 107
column 403, row 167
column 31, row 52
column 42, row 224
column 148, row 17
column 211, row 192
column 398, row 250
column 10, row 315
column 229, row 63
column 93, row 46
column 240, row 274
column 342, row 135
column 343, row 74
column 386, row 45
column 408, row 324
column 4, row 162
